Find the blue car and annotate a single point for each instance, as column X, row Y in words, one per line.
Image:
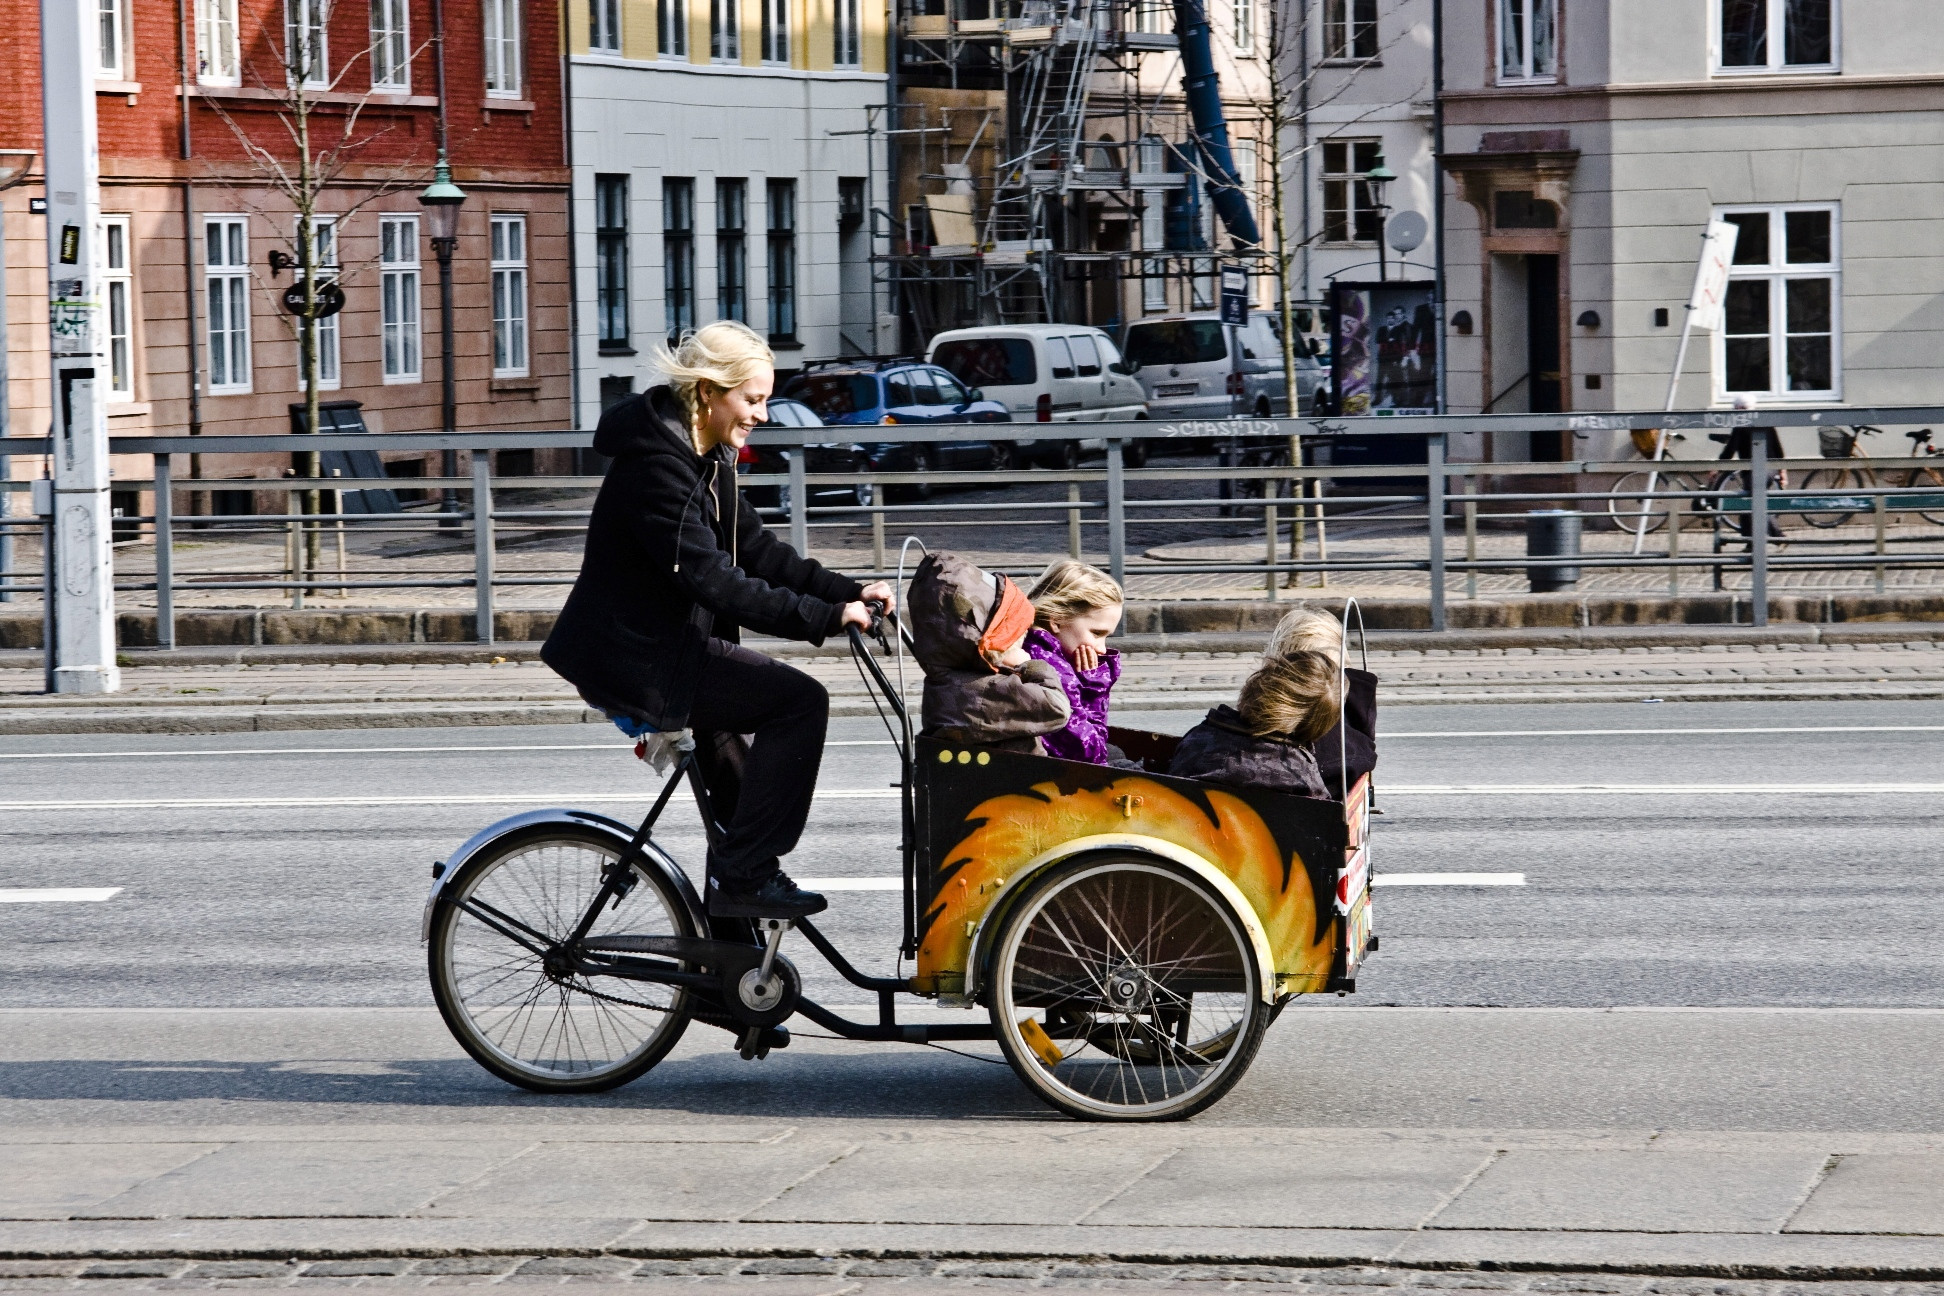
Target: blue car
column 899, row 393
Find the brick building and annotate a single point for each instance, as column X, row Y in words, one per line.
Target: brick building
column 185, row 206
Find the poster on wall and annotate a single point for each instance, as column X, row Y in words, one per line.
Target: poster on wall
column 1384, row 339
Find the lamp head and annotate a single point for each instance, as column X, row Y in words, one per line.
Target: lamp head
column 15, row 164
column 442, row 200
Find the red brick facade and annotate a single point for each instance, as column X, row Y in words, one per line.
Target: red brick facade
column 508, row 153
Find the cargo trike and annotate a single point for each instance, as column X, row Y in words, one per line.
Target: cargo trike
column 1129, row 935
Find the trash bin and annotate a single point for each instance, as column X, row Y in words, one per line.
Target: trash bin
column 1552, row 533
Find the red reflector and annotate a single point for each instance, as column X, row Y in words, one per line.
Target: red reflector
column 1043, row 408
column 1235, row 384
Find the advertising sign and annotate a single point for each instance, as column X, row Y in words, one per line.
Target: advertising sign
column 1235, row 295
column 1384, row 348
column 1711, row 276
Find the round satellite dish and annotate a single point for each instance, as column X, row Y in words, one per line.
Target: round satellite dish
column 1406, row 231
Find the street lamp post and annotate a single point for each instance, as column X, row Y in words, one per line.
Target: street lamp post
column 442, row 200
column 1377, row 178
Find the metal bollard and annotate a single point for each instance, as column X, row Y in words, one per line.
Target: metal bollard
column 482, row 519
column 165, row 630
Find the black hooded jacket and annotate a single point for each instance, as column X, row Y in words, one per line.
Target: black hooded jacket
column 672, row 559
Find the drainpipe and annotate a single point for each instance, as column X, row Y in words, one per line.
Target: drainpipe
column 186, row 146
column 1438, row 195
column 573, row 248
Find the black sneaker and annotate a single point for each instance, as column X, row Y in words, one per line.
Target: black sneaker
column 774, row 897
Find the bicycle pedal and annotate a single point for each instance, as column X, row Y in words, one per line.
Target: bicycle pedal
column 755, row 1043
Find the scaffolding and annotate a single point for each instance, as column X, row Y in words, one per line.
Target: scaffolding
column 1043, row 168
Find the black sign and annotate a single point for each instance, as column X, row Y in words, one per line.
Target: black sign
column 329, row 298
column 70, row 244
column 1235, row 295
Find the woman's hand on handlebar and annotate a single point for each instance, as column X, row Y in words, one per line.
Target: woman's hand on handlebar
column 881, row 592
column 856, row 614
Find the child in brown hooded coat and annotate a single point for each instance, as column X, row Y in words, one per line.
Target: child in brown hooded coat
column 967, row 628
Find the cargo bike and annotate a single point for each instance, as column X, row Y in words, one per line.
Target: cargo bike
column 1130, row 935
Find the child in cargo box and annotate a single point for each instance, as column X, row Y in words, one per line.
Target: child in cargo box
column 1287, row 714
column 967, row 628
column 1075, row 608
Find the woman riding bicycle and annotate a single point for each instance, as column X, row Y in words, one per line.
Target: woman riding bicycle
column 673, row 569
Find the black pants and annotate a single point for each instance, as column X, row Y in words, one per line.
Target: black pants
column 785, row 713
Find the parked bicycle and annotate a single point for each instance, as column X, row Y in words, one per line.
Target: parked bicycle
column 1847, row 443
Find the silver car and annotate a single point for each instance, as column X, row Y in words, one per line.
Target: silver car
column 1196, row 367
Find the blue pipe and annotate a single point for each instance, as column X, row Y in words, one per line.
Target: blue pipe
column 1204, row 90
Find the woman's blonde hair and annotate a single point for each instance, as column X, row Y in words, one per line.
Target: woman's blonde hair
column 1298, row 695
column 723, row 355
column 1069, row 589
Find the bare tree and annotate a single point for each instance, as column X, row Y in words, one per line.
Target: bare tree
column 321, row 140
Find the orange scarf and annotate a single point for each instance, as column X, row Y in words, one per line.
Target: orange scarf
column 1010, row 621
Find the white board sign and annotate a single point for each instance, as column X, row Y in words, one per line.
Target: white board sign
column 1711, row 276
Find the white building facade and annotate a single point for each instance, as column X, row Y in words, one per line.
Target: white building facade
column 723, row 169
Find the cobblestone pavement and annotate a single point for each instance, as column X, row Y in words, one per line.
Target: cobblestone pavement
column 811, row 1276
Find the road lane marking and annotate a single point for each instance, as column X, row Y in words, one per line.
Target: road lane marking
column 891, row 794
column 852, row 884
column 56, row 895
column 1448, row 879
column 1658, row 733
column 370, row 751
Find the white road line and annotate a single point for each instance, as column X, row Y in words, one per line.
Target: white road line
column 851, row 884
column 1448, row 879
column 1657, row 733
column 891, row 794
column 368, row 751
column 55, row 895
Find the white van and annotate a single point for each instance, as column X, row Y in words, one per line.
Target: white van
column 1196, row 367
column 1045, row 373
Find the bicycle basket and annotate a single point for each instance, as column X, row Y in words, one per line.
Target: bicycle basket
column 1645, row 440
column 1835, row 442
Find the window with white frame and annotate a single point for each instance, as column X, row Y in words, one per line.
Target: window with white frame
column 671, row 22
column 1528, row 40
column 1350, row 212
column 509, row 267
column 725, row 30
column 218, row 62
column 324, row 256
column 504, row 57
column 111, row 41
column 226, row 286
column 307, row 43
column 1775, row 35
column 1349, row 29
column 604, row 26
column 398, row 298
column 847, row 34
column 1245, row 25
column 115, row 258
column 776, row 30
column 1782, row 334
column 391, row 48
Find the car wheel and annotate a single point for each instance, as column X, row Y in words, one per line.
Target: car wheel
column 1262, row 410
column 1004, row 458
column 865, row 493
column 1069, row 455
column 921, row 462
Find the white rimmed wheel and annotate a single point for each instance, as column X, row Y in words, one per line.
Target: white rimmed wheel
column 504, row 988
column 1125, row 988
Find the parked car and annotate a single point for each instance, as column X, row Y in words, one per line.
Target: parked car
column 1047, row 373
column 896, row 393
column 823, row 457
column 1196, row 367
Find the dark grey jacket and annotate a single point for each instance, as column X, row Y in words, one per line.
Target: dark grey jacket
column 672, row 559
column 948, row 607
column 1222, row 750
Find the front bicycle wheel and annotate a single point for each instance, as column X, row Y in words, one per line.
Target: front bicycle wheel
column 544, row 1027
column 1124, row 988
column 1932, row 481
column 1830, row 481
column 1633, row 514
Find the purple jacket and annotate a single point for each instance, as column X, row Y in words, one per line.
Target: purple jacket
column 1085, row 735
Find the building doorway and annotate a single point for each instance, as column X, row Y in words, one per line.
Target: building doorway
column 1527, row 348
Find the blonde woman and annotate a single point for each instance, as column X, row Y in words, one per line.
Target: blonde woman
column 674, row 567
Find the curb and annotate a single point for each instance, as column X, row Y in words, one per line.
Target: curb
column 1223, row 641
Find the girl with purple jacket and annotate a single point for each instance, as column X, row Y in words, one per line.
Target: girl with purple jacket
column 1075, row 608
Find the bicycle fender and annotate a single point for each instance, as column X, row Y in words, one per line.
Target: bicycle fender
column 651, row 855
column 977, row 971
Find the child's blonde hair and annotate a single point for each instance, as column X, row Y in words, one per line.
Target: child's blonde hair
column 1069, row 589
column 724, row 355
column 1298, row 689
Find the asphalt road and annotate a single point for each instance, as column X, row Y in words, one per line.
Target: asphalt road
column 1702, row 891
column 1688, row 956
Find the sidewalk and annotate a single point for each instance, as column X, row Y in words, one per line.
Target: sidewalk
column 1859, row 1205
column 226, row 698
